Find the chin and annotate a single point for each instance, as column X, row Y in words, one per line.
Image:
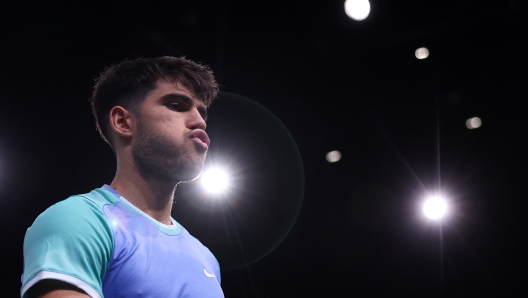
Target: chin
column 188, row 179
column 189, row 172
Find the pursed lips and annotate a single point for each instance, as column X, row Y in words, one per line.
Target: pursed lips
column 201, row 136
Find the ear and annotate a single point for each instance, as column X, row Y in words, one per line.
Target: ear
column 121, row 121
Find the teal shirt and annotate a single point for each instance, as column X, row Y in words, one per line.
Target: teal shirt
column 107, row 247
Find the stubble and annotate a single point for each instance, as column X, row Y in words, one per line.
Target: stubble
column 157, row 157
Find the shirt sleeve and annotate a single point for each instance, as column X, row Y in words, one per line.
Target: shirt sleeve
column 71, row 241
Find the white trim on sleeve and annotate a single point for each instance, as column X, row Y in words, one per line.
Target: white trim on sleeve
column 62, row 277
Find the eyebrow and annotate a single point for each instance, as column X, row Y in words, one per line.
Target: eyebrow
column 189, row 101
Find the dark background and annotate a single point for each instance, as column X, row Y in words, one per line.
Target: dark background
column 335, row 84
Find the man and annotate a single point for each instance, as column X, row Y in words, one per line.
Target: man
column 120, row 240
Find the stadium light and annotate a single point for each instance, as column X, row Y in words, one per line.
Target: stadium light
column 474, row 122
column 333, row 156
column 357, row 9
column 215, row 180
column 435, row 207
column 421, row 53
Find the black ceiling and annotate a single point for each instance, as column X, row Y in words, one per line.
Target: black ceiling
column 336, row 84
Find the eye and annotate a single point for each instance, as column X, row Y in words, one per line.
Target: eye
column 174, row 106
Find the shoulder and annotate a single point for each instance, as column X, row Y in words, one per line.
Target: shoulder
column 84, row 206
column 71, row 241
column 77, row 216
column 76, row 210
column 94, row 200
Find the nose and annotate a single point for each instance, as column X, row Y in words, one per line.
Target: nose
column 195, row 120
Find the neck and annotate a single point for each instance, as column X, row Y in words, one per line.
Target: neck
column 154, row 197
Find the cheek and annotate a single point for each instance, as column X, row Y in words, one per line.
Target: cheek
column 167, row 125
column 171, row 130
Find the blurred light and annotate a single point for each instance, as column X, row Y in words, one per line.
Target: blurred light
column 435, row 207
column 357, row 9
column 215, row 180
column 474, row 122
column 422, row 53
column 333, row 156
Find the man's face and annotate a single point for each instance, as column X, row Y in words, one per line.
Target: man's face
column 170, row 142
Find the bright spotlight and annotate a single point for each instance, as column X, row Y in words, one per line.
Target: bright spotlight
column 474, row 122
column 215, row 180
column 435, row 208
column 421, row 53
column 357, row 9
column 333, row 156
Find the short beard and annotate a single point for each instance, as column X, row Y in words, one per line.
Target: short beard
column 157, row 158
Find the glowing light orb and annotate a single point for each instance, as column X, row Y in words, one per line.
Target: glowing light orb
column 435, row 208
column 474, row 122
column 421, row 53
column 357, row 9
column 215, row 180
column 333, row 156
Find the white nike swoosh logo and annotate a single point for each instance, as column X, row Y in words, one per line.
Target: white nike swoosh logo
column 208, row 274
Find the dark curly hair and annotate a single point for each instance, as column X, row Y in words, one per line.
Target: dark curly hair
column 127, row 84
